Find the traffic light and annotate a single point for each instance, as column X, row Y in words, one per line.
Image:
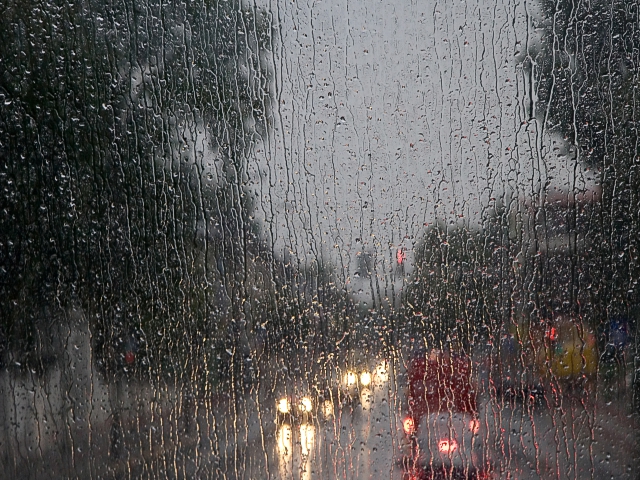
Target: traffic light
column 121, row 353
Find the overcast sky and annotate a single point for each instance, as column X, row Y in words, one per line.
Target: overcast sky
column 392, row 114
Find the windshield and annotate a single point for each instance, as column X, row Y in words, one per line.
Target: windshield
column 267, row 239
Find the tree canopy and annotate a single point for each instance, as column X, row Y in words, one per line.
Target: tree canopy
column 124, row 133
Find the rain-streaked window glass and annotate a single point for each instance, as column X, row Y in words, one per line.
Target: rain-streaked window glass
column 319, row 240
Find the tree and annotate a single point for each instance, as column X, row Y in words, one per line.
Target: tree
column 455, row 286
column 587, row 78
column 109, row 198
column 586, row 81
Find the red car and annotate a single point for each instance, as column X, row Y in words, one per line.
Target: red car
column 442, row 427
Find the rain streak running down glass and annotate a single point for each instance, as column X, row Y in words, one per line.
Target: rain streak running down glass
column 320, row 240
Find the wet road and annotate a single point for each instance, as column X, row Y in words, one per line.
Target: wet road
column 357, row 441
column 572, row 438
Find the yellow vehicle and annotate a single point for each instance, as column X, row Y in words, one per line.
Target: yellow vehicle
column 569, row 353
column 535, row 357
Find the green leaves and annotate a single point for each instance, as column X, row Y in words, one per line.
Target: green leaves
column 124, row 130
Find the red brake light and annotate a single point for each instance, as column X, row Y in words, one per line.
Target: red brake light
column 129, row 357
column 408, row 425
column 447, row 446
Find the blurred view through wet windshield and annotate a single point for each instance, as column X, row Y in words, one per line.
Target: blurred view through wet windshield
column 319, row 240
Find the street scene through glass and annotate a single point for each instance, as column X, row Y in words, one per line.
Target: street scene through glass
column 320, row 240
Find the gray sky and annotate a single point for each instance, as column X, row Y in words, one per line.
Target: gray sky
column 392, row 114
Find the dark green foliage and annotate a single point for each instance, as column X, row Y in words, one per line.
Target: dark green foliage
column 124, row 130
column 587, row 77
column 452, row 292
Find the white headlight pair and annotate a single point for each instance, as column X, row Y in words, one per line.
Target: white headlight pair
column 351, row 378
column 305, row 405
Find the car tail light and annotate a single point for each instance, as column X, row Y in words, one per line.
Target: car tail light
column 447, row 446
column 409, row 426
column 129, row 357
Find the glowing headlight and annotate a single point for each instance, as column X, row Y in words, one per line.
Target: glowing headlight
column 365, row 378
column 305, row 404
column 283, row 405
column 350, row 379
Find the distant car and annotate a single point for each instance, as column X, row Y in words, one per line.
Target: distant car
column 354, row 381
column 530, row 362
column 572, row 352
column 302, row 403
column 517, row 364
column 292, row 409
column 359, row 381
column 442, row 431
